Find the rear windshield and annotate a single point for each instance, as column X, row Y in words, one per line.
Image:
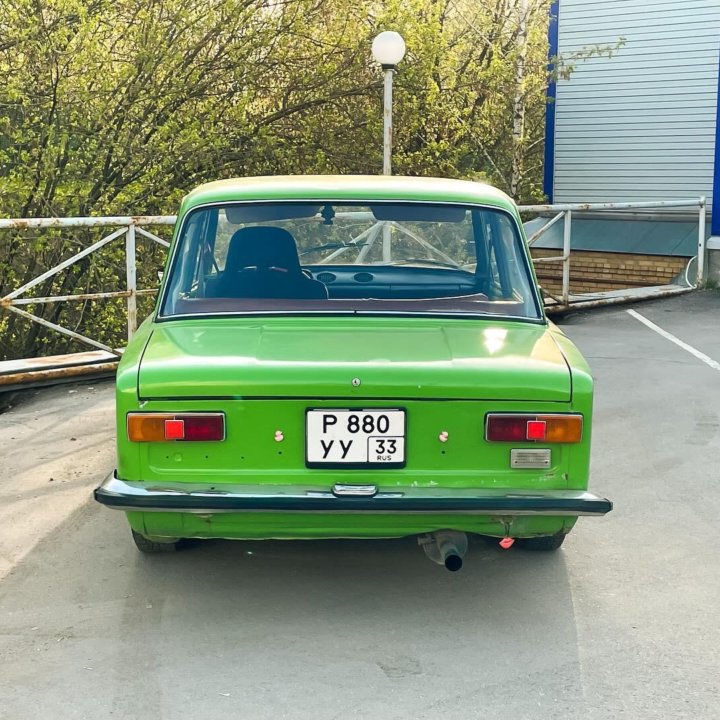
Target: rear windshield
column 389, row 258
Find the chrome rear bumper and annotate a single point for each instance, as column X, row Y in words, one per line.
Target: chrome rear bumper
column 202, row 498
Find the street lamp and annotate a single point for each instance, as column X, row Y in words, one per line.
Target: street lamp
column 388, row 49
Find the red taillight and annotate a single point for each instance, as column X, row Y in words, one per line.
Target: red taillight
column 506, row 428
column 534, row 428
column 190, row 427
column 204, row 427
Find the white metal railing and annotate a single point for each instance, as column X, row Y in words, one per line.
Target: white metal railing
column 564, row 211
column 130, row 227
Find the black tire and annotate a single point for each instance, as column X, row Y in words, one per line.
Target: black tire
column 544, row 543
column 148, row 546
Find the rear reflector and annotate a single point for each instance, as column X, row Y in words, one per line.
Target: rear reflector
column 188, row 427
column 534, row 428
column 174, row 429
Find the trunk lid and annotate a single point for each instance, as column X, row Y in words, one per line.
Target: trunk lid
column 319, row 357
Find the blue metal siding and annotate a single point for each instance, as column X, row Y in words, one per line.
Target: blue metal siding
column 642, row 124
column 549, row 166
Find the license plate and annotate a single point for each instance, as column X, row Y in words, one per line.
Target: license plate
column 360, row 438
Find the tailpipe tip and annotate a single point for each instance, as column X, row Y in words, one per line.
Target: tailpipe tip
column 453, row 563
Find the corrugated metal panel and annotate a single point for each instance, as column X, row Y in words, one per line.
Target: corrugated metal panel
column 581, row 6
column 695, row 84
column 640, row 124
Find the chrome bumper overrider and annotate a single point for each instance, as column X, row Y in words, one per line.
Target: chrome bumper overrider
column 202, row 498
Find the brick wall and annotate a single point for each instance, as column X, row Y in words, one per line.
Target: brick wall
column 596, row 271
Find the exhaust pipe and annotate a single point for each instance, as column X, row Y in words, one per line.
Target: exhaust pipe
column 445, row 547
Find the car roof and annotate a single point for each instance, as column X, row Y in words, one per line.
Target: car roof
column 347, row 187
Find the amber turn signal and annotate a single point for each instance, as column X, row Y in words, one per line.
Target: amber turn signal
column 534, row 428
column 188, row 427
column 563, row 428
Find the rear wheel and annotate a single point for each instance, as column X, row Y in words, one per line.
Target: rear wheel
column 542, row 543
column 149, row 546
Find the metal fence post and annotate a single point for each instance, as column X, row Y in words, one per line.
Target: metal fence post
column 567, row 230
column 701, row 242
column 131, row 269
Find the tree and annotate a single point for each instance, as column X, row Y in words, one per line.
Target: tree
column 122, row 106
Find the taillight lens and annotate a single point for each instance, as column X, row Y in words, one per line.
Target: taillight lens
column 188, row 427
column 534, row 428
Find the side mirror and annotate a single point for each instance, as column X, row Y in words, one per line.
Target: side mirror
column 160, row 274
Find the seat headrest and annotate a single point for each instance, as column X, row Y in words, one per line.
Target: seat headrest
column 262, row 247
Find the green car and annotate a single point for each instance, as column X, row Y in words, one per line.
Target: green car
column 351, row 357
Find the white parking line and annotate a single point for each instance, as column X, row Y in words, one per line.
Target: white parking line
column 669, row 336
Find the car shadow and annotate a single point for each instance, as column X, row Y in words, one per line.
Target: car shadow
column 500, row 634
column 361, row 578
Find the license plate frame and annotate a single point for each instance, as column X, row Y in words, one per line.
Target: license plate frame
column 312, row 461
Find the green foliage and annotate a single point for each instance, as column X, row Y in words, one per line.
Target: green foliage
column 121, row 106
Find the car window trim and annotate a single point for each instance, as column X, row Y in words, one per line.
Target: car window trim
column 517, row 229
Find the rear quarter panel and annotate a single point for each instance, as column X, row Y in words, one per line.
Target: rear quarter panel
column 582, row 402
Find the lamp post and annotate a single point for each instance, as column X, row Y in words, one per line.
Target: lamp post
column 388, row 49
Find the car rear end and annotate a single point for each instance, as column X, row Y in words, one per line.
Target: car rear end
column 324, row 366
column 365, row 455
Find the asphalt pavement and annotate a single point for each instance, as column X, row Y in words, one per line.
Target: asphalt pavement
column 622, row 622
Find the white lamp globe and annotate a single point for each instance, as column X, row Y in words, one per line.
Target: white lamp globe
column 388, row 48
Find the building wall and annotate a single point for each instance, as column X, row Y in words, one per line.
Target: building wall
column 592, row 271
column 640, row 125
